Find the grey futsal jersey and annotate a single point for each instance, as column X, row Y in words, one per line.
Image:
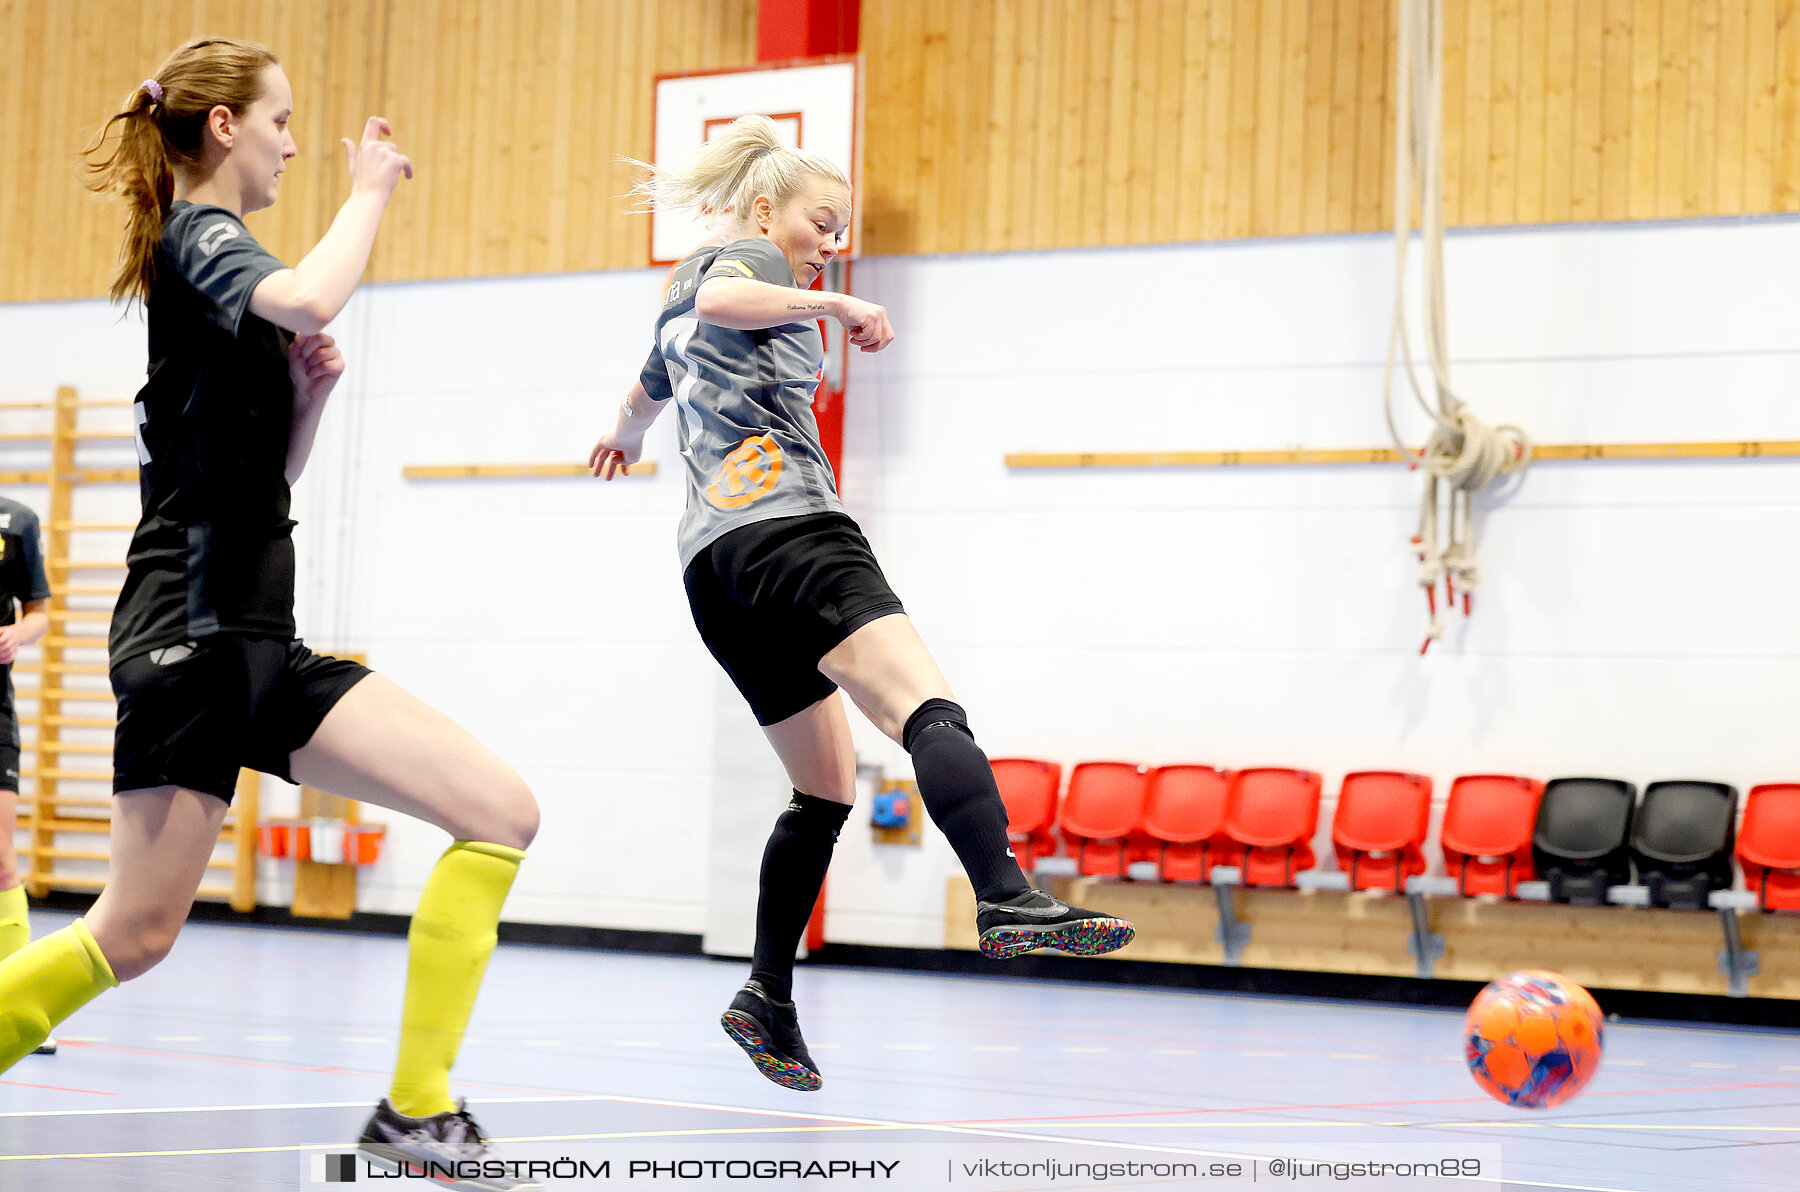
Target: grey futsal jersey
column 743, row 400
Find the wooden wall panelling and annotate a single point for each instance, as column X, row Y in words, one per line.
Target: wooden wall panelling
column 1700, row 164
column 1505, row 142
column 1057, row 137
column 1306, row 157
column 1672, row 89
column 932, row 103
column 1646, row 58
column 1787, row 109
column 1734, row 106
column 1215, row 205
column 1162, row 124
column 1374, row 160
column 995, row 150
column 1338, row 177
column 1112, row 92
column 1759, row 122
column 1615, row 119
column 1533, row 128
column 1554, row 191
column 1004, row 124
column 1264, row 160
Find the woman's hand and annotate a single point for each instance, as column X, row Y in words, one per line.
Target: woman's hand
column 314, row 363
column 376, row 165
column 866, row 323
column 613, row 455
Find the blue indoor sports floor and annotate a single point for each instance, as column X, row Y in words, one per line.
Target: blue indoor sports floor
column 252, row 1052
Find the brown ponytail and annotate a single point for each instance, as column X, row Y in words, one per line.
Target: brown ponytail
column 162, row 126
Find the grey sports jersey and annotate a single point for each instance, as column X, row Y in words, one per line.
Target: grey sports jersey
column 744, row 402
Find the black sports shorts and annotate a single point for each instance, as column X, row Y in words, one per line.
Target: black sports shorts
column 772, row 598
column 192, row 715
column 9, row 734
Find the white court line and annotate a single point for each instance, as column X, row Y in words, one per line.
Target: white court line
column 35, row 1113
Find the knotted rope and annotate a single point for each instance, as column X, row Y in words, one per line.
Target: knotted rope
column 1462, row 455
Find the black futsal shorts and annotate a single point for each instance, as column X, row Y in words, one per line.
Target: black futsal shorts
column 772, row 598
column 192, row 715
column 9, row 735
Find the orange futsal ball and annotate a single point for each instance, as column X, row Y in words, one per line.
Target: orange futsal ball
column 1534, row 1039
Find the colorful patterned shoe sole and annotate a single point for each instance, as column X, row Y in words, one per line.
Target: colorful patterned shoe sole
column 747, row 1033
column 1087, row 937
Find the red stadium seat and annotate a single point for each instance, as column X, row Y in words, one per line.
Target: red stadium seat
column 1486, row 836
column 1100, row 812
column 1184, row 817
column 1380, row 826
column 1768, row 845
column 1273, row 814
column 1029, row 788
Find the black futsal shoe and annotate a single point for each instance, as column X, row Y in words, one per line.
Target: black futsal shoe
column 439, row 1148
column 769, row 1033
column 1036, row 920
column 47, row 1047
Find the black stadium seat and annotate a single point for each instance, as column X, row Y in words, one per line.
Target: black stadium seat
column 1579, row 843
column 1681, row 841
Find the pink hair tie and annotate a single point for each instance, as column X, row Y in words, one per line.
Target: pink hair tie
column 154, row 88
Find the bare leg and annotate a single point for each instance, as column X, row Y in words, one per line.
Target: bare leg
column 162, row 838
column 383, row 746
column 15, row 925
column 886, row 669
column 815, row 748
column 9, row 824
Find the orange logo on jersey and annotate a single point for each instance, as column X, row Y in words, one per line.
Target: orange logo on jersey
column 748, row 474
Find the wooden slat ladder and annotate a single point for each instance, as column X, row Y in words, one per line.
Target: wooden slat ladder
column 321, row 890
column 75, row 648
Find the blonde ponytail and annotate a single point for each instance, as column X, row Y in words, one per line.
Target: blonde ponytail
column 729, row 171
column 162, row 124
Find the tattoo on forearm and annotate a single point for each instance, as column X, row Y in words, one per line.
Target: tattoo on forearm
column 814, row 307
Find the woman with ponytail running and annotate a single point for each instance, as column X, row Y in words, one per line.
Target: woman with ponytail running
column 783, row 586
column 209, row 673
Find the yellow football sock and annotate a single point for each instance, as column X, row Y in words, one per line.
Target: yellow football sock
column 452, row 935
column 44, row 983
column 15, row 932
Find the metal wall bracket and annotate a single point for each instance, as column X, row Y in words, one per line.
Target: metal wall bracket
column 1231, row 933
column 1425, row 945
column 1737, row 964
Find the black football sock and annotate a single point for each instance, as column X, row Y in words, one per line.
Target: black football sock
column 793, row 869
column 958, row 789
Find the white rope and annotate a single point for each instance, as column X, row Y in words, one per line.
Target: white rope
column 1462, row 455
